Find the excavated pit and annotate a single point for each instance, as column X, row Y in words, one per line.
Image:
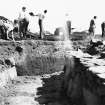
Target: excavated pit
column 38, row 58
column 41, row 63
column 32, row 58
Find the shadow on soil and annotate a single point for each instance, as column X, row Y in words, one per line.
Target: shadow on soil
column 51, row 93
column 87, row 89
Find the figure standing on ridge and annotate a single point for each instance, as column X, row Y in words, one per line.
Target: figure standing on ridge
column 92, row 26
column 40, row 16
column 23, row 22
column 40, row 22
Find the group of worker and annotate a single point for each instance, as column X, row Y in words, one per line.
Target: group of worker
column 23, row 21
column 92, row 27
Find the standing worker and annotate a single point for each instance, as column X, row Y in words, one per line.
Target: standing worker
column 103, row 28
column 68, row 22
column 92, row 26
column 40, row 22
column 23, row 22
column 67, row 26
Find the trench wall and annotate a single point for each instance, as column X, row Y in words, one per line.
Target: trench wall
column 39, row 58
column 32, row 57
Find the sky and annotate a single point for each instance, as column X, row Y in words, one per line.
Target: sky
column 80, row 12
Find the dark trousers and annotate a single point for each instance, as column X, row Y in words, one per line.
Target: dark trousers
column 69, row 27
column 23, row 26
column 103, row 32
column 41, row 28
column 103, row 29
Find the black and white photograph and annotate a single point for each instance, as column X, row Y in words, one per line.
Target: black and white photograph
column 52, row 52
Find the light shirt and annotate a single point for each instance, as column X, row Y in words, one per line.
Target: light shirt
column 23, row 15
column 41, row 16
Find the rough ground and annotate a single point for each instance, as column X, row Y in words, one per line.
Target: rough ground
column 28, row 90
column 23, row 91
column 37, row 58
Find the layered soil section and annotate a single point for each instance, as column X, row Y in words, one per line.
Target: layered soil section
column 30, row 58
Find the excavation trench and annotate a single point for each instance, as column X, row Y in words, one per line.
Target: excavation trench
column 32, row 60
column 38, row 77
column 37, row 64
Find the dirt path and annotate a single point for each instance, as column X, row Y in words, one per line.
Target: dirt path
column 23, row 91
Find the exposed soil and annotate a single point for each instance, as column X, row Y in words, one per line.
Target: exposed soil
column 34, row 59
column 22, row 91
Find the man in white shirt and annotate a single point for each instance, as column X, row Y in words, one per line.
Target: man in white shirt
column 23, row 22
column 92, row 26
column 40, row 22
